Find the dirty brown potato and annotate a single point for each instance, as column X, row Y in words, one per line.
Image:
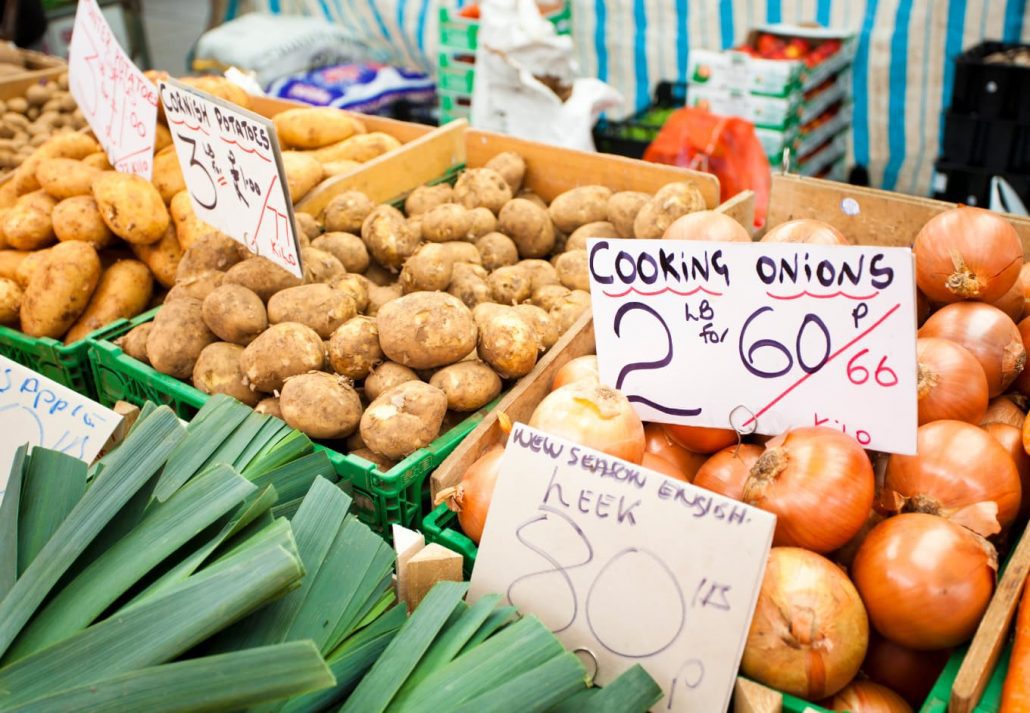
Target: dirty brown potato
column 579, row 206
column 162, row 257
column 78, row 218
column 670, row 202
column 347, row 212
column 482, row 222
column 566, row 312
column 540, row 273
column 403, row 419
column 468, row 385
column 354, row 285
column 509, row 285
column 497, row 250
column 303, row 172
column 536, row 317
column 235, row 314
column 197, row 286
column 281, row 351
column 131, row 207
column 307, row 226
column 469, row 284
column 623, row 207
column 424, row 330
column 512, row 168
column 385, row 376
column 578, row 239
column 445, row 223
column 379, row 295
column 482, row 187
column 320, row 405
column 315, row 127
column 123, row 291
column 529, row 226
column 64, row 177
column 212, row 251
column 10, row 301
column 425, row 198
column 428, row 269
column 317, row 306
column 270, row 407
column 217, row 371
column 354, row 348
column 506, row 342
column 320, row 266
column 178, row 337
column 345, row 247
column 262, row 276
column 388, row 237
column 134, row 342
column 573, row 271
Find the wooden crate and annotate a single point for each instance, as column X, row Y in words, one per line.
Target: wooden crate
column 39, row 67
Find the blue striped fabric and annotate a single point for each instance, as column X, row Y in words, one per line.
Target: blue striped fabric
column 902, row 77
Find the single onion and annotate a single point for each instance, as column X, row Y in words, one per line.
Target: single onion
column 1011, row 303
column 700, row 439
column 923, row 308
column 950, row 382
column 806, row 230
column 988, row 333
column 595, row 416
column 471, row 498
column 707, row 225
column 925, row 581
column 727, row 470
column 1011, row 439
column 959, row 472
column 1006, row 408
column 868, row 697
column 1024, row 280
column 1022, row 382
column 659, row 444
column 819, row 483
column 659, row 464
column 809, row 632
column 583, row 367
column 906, row 671
column 967, row 253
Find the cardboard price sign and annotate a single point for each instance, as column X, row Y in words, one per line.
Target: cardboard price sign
column 760, row 337
column 626, row 564
column 41, row 412
column 119, row 103
column 233, row 168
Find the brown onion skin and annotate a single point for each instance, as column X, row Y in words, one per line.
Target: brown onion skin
column 905, row 671
column 1011, row 439
column 925, row 581
column 476, row 491
column 707, row 225
column 701, row 439
column 967, row 253
column 578, row 369
column 806, row 230
column 726, row 471
column 820, row 485
column 659, row 444
column 1004, row 409
column 868, row 697
column 659, row 464
column 1011, row 303
column 809, row 632
column 987, row 333
column 957, row 465
column 950, row 382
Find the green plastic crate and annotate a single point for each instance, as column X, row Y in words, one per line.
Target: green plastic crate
column 66, row 364
column 461, row 33
column 456, row 75
column 380, row 499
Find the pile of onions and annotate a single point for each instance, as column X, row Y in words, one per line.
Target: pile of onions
column 868, row 697
column 592, row 415
column 960, row 472
column 578, row 369
column 925, row 581
column 809, row 632
column 707, row 225
column 967, row 253
column 987, row 333
column 819, row 483
column 471, row 498
column 906, row 671
column 950, row 382
column 666, row 456
column 1011, row 439
column 1004, row 409
column 806, row 230
column 700, row 439
column 727, row 470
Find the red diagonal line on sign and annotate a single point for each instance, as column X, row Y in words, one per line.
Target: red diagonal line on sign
column 264, row 206
column 130, row 155
column 830, row 358
column 246, row 150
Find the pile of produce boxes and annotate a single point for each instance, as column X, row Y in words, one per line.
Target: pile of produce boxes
column 792, row 83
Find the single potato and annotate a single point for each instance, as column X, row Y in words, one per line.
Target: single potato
column 124, row 290
column 235, row 314
column 424, row 330
column 354, row 348
column 64, row 177
column 468, row 385
column 315, row 127
column 403, row 419
column 281, row 351
column 317, row 306
column 178, row 337
column 78, row 218
column 385, row 376
column 320, row 405
column 217, row 371
column 59, row 289
column 131, row 207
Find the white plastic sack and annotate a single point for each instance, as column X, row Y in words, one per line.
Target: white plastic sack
column 1004, row 198
column 517, row 45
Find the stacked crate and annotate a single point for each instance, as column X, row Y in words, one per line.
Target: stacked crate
column 459, row 31
column 793, row 84
column 987, row 128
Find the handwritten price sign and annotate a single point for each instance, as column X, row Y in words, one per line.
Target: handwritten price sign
column 760, row 337
column 119, row 103
column 626, row 564
column 234, row 173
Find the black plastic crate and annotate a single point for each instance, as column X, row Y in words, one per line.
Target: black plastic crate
column 991, row 90
column 996, row 144
column 972, row 186
column 631, row 137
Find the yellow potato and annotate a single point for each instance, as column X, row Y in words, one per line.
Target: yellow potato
column 303, row 173
column 338, row 168
column 162, row 257
column 220, row 87
column 162, row 138
column 10, row 301
column 69, row 145
column 315, row 127
column 167, row 177
column 78, row 218
column 60, row 289
column 123, row 291
column 360, row 148
column 29, row 224
column 64, row 177
column 10, row 261
column 98, row 160
column 131, row 207
column 188, row 227
column 28, row 266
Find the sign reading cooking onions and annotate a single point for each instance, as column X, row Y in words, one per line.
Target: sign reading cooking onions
column 760, row 337
column 618, row 561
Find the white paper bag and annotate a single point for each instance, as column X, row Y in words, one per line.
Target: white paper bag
column 1004, row 198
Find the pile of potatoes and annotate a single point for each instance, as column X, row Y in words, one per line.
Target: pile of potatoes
column 404, row 320
column 28, row 121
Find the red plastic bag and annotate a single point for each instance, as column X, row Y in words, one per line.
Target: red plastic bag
column 724, row 146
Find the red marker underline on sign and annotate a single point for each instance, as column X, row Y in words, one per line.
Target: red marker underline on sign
column 806, row 293
column 191, row 127
column 246, row 150
column 663, row 291
column 830, row 358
